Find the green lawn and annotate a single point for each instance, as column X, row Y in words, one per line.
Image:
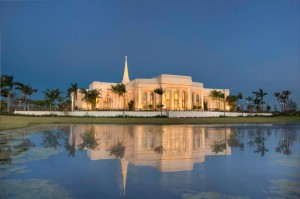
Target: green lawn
column 12, row 122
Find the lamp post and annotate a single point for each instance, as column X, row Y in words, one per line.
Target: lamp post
column 20, row 105
column 249, row 106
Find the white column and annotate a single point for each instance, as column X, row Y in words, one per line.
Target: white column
column 180, row 99
column 172, row 99
column 202, row 101
column 164, row 99
column 189, row 97
column 148, row 98
column 140, row 99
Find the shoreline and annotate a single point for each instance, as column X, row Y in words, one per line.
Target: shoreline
column 8, row 122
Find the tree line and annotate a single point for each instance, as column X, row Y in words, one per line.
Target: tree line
column 56, row 99
column 256, row 102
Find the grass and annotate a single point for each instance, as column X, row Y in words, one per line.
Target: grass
column 13, row 122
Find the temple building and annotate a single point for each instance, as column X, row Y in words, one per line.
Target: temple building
column 180, row 93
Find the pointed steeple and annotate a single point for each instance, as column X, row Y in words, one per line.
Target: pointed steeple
column 125, row 75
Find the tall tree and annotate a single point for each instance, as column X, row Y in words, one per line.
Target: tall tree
column 249, row 103
column 7, row 84
column 231, row 100
column 120, row 89
column 73, row 92
column 257, row 104
column 52, row 96
column 282, row 98
column 160, row 91
column 286, row 94
column 27, row 90
column 260, row 95
column 90, row 96
column 277, row 95
column 217, row 96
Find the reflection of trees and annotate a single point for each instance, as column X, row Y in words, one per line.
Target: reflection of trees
column 233, row 140
column 8, row 150
column 286, row 139
column 159, row 149
column 257, row 140
column 51, row 138
column 118, row 150
column 89, row 140
column 25, row 145
column 5, row 150
column 71, row 148
column 218, row 146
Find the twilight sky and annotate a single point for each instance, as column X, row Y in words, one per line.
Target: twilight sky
column 240, row 45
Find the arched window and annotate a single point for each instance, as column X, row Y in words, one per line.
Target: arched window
column 168, row 99
column 194, row 99
column 152, row 98
column 107, row 103
column 197, row 100
column 145, row 100
column 183, row 99
column 176, row 99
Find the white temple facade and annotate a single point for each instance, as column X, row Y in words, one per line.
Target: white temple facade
column 181, row 93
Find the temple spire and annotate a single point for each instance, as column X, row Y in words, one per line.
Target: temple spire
column 125, row 75
column 124, row 165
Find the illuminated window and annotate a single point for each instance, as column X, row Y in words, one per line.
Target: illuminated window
column 183, row 99
column 168, row 97
column 176, row 100
column 145, row 100
column 151, row 98
column 197, row 100
column 107, row 103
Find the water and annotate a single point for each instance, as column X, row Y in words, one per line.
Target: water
column 151, row 161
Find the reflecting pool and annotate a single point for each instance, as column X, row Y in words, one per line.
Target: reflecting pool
column 151, row 161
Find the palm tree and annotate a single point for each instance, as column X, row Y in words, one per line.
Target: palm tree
column 249, row 102
column 7, row 85
column 27, row 90
column 120, row 89
column 73, row 92
column 52, row 96
column 257, row 102
column 216, row 95
column 90, row 96
column 282, row 98
column 260, row 95
column 286, row 94
column 277, row 95
column 160, row 91
column 231, row 100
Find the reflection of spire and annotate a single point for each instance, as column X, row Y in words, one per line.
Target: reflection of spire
column 124, row 164
column 125, row 75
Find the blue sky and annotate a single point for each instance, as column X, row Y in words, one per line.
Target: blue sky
column 240, row 45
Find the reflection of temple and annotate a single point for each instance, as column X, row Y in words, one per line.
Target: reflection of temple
column 168, row 148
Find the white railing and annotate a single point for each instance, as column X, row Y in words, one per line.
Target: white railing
column 171, row 114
